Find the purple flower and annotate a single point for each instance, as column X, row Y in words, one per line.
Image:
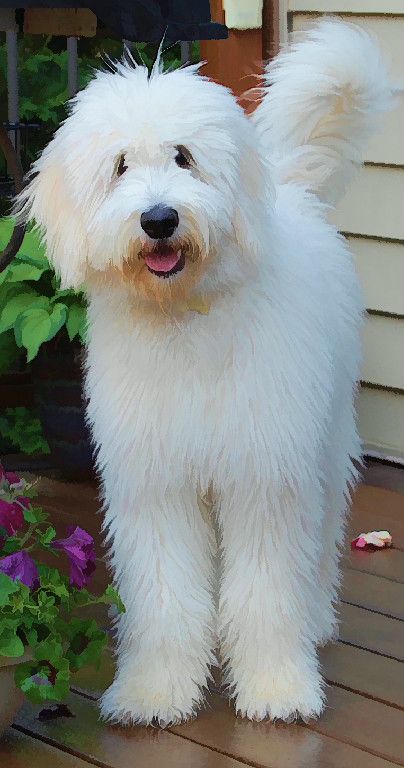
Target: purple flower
column 79, row 547
column 12, row 478
column 11, row 516
column 20, row 567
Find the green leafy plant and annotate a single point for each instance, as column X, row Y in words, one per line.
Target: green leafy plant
column 32, row 305
column 22, row 427
column 40, row 606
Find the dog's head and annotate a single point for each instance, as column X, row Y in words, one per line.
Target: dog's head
column 151, row 180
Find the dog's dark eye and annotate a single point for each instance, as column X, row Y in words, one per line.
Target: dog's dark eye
column 121, row 166
column 183, row 158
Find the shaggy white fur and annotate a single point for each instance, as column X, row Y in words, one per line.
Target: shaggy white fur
column 234, row 377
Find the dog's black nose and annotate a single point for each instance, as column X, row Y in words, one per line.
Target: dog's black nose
column 159, row 222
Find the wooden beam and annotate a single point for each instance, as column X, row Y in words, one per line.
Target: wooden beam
column 67, row 22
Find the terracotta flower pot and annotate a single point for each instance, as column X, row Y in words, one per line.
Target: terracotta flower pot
column 11, row 698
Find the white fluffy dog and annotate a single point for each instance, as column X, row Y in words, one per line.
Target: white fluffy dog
column 224, row 318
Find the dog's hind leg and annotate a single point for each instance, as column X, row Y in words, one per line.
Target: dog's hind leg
column 163, row 565
column 340, row 476
column 270, row 571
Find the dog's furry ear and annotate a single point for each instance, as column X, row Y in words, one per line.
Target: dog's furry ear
column 48, row 200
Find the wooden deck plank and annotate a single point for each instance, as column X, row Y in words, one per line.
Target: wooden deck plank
column 364, row 672
column 269, row 745
column 360, row 670
column 372, row 631
column 387, row 563
column 17, row 750
column 363, row 723
column 374, row 593
column 88, row 738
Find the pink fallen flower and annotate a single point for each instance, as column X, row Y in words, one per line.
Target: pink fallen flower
column 79, row 547
column 372, row 540
column 20, row 567
column 11, row 516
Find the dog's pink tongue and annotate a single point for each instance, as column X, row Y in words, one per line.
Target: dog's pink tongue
column 163, row 260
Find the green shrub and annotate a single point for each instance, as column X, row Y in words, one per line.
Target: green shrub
column 32, row 305
column 22, row 428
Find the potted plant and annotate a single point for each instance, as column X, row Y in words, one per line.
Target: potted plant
column 49, row 324
column 43, row 637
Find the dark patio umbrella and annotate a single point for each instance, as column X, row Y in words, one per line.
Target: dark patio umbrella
column 135, row 20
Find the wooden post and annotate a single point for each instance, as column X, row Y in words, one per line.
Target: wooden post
column 12, row 86
column 234, row 62
column 185, row 52
column 72, row 67
column 270, row 28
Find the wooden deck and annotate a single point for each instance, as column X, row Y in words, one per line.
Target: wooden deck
column 363, row 726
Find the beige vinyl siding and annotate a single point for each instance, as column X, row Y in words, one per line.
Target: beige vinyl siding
column 374, row 203
column 380, row 266
column 381, row 422
column 348, row 6
column 383, row 345
column 372, row 217
column 388, row 145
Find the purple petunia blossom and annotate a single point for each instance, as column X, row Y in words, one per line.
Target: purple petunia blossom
column 11, row 516
column 20, row 567
column 12, row 478
column 79, row 547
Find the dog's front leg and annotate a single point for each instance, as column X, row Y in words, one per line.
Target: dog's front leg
column 161, row 555
column 267, row 622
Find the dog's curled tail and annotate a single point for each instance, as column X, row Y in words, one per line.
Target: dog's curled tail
column 323, row 97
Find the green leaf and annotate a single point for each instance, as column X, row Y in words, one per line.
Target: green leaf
column 7, row 588
column 112, row 597
column 11, row 545
column 50, row 649
column 35, row 259
column 32, row 329
column 76, row 320
column 39, row 692
column 53, row 581
column 30, row 515
column 57, row 319
column 10, row 643
column 22, row 271
column 34, row 514
column 66, row 293
column 14, row 307
column 87, row 643
column 48, row 536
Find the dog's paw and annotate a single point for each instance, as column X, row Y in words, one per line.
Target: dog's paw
column 283, row 694
column 132, row 701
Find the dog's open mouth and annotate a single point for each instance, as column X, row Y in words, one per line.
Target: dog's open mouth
column 165, row 260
